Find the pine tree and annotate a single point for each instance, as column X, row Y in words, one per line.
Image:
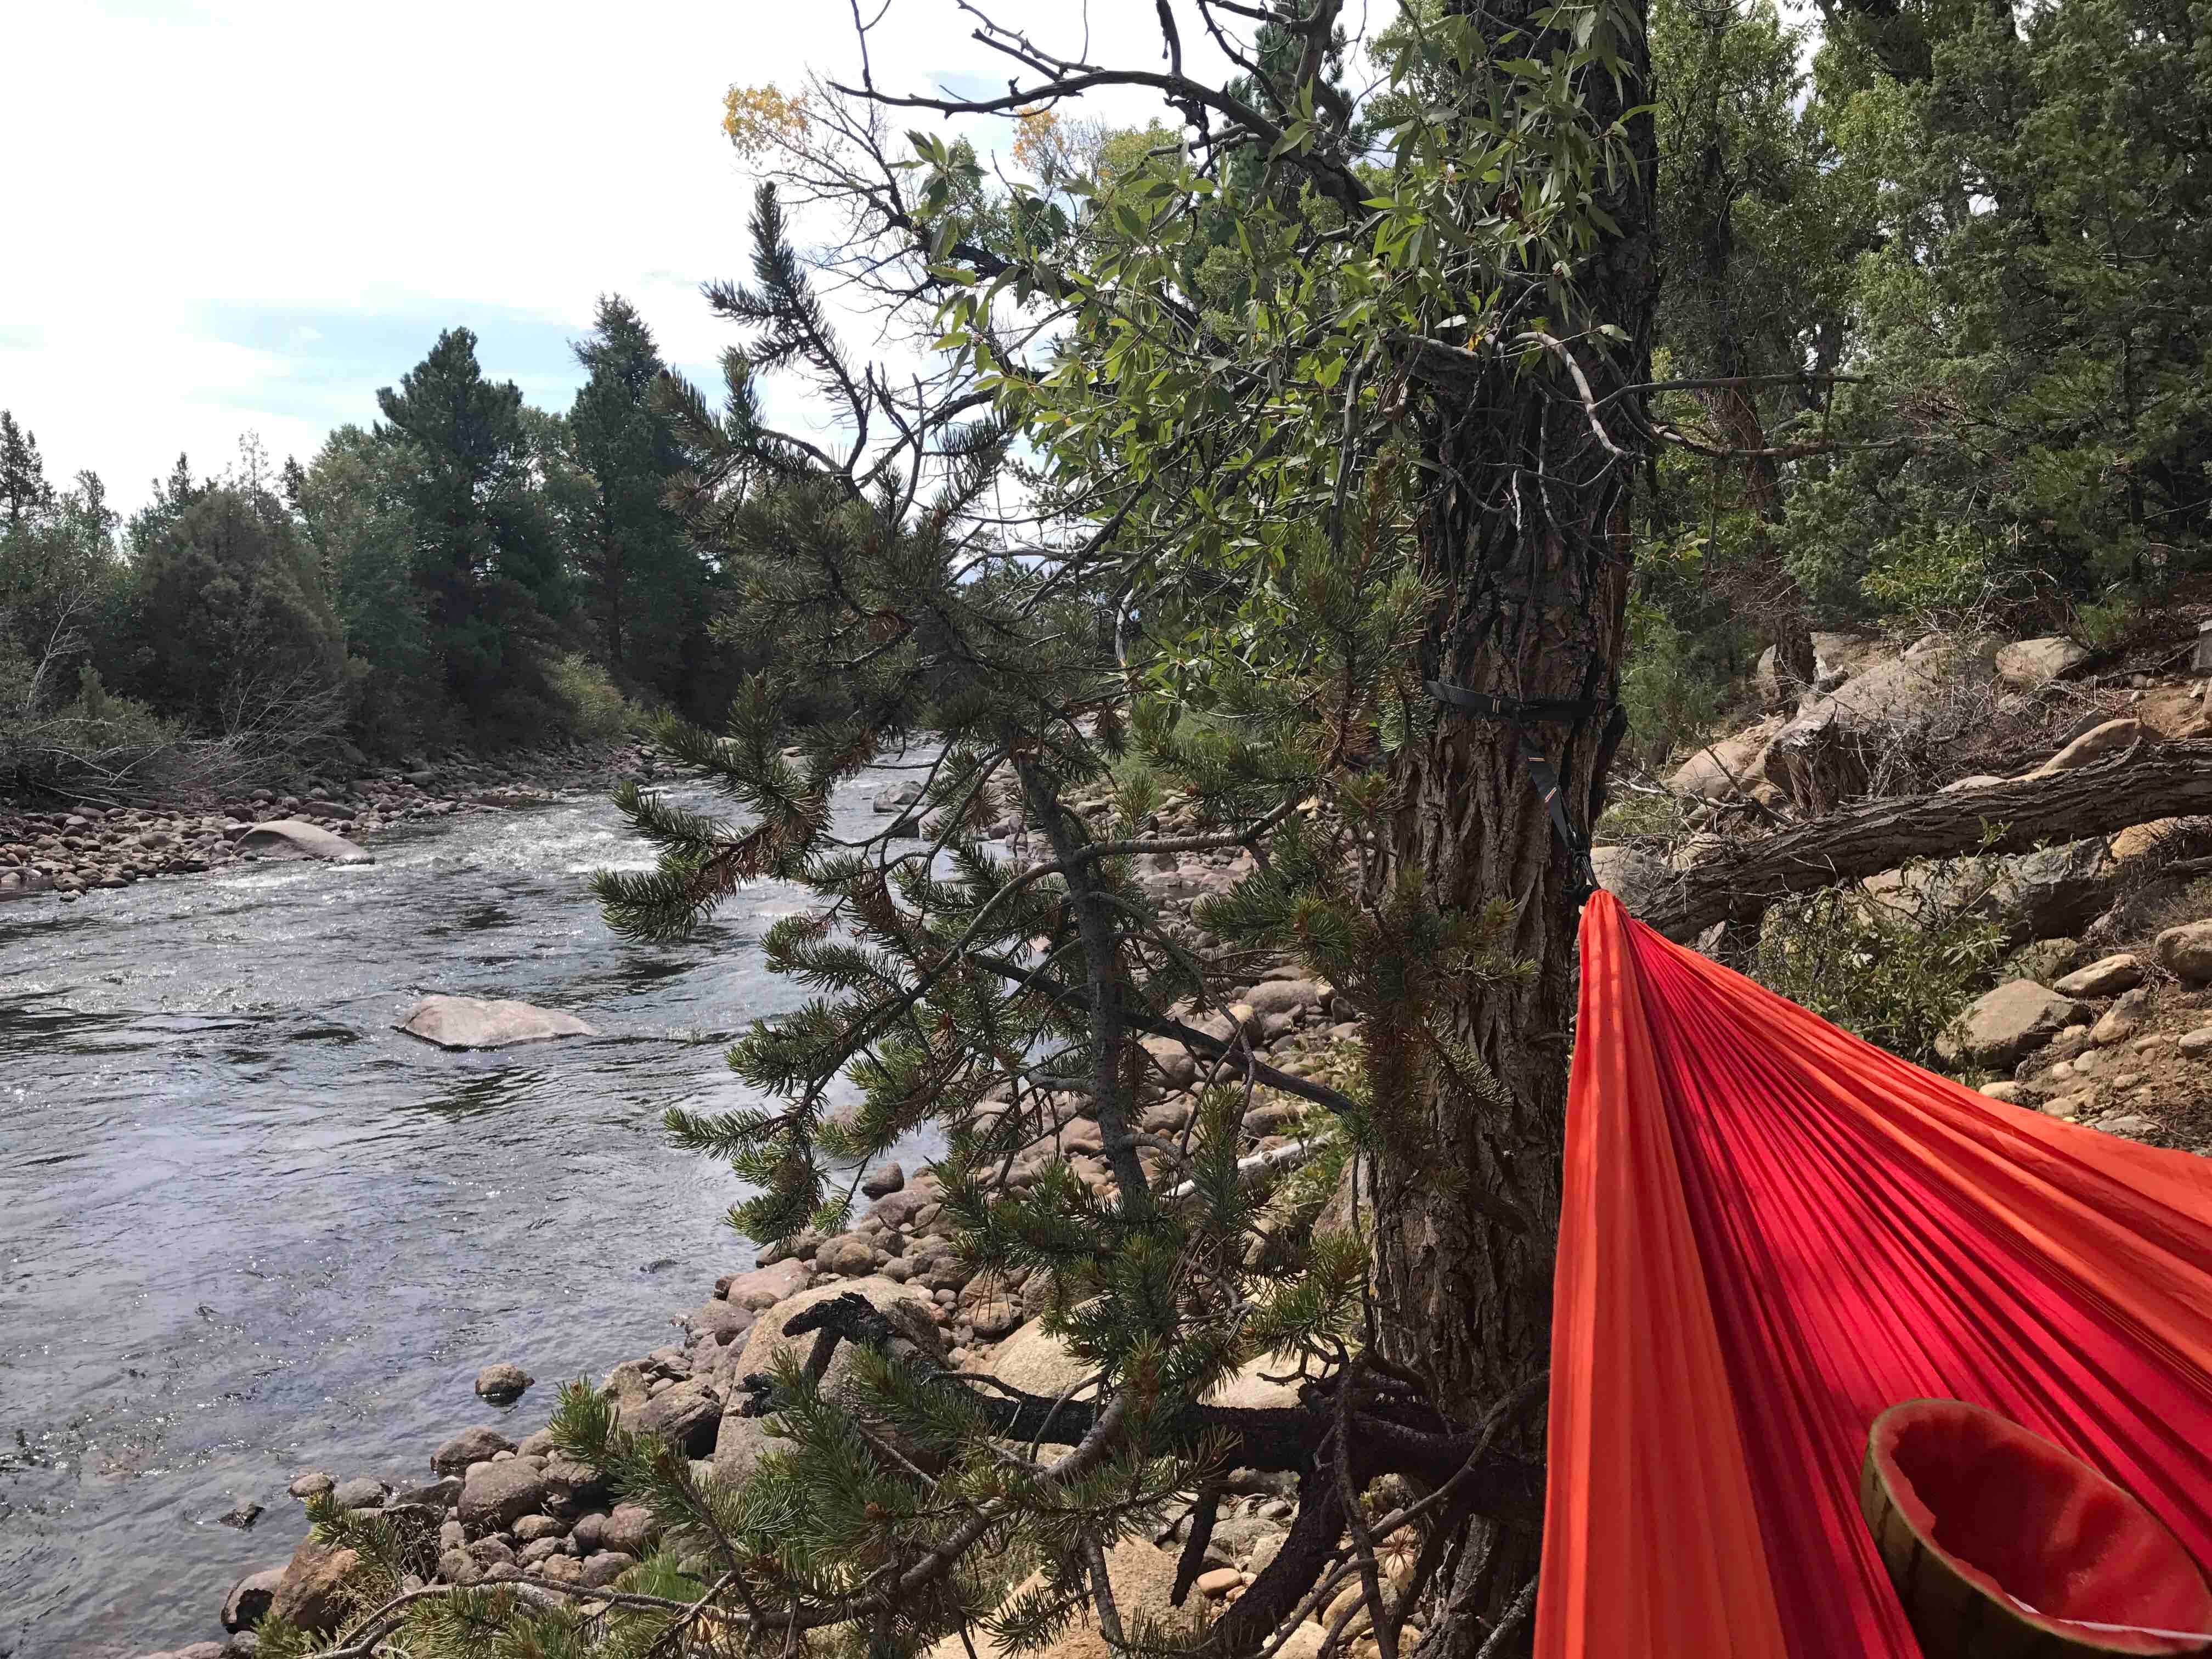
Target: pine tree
column 485, row 558
column 999, row 1002
column 229, row 614
column 646, row 587
column 23, row 483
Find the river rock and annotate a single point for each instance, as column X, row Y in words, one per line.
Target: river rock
column 360, row 1493
column 993, row 1319
column 2123, row 1020
column 311, row 1592
column 482, row 1023
column 1286, row 996
column 2002, row 1025
column 503, row 1384
column 296, row 838
column 496, row 1495
column 2186, row 951
column 249, row 1600
column 629, row 1528
column 310, row 1483
column 848, row 1255
column 690, row 1414
column 725, row 1322
column 572, row 1487
column 883, row 1180
column 763, row 1287
column 440, row 1495
column 893, row 796
column 478, row 1445
column 23, row 883
column 1177, row 1069
column 601, row 1570
column 2028, row 664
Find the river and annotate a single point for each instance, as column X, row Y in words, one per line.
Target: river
column 247, row 1228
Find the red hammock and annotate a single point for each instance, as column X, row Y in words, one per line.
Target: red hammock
column 1771, row 1231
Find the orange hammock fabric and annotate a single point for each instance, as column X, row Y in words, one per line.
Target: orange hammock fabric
column 1771, row 1231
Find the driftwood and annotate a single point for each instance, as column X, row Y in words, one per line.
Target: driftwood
column 1735, row 883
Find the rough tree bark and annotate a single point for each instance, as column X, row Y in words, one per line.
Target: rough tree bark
column 1525, row 545
column 1736, row 884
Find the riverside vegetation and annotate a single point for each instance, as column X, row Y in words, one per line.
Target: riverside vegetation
column 467, row 573
column 1802, row 442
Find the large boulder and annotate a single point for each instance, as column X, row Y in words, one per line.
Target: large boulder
column 311, row 1592
column 1142, row 1577
column 1724, row 769
column 1826, row 753
column 2030, row 662
column 763, row 1287
column 740, row 1440
column 1037, row 1362
column 495, row 1496
column 486, row 1023
column 1254, row 1387
column 893, row 796
column 2002, row 1025
column 296, row 838
column 2107, row 977
column 2186, row 951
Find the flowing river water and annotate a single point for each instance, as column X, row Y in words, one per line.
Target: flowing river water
column 245, row 1227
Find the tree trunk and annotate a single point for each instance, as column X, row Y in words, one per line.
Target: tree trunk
column 1526, row 550
column 1738, row 883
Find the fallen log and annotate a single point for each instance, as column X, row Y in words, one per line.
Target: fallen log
column 1736, row 883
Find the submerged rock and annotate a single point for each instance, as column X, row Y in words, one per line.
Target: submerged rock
column 486, row 1023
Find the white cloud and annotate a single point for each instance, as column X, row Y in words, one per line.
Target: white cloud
column 185, row 166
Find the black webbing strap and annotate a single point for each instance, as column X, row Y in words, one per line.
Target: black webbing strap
column 1511, row 708
column 1542, row 773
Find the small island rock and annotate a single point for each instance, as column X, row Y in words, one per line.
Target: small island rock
column 482, row 1023
column 503, row 1384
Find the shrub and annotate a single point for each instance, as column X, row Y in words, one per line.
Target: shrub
column 594, row 707
column 1897, row 977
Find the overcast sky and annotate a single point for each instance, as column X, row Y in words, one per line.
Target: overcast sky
column 235, row 216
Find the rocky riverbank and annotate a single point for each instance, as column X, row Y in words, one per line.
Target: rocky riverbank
column 494, row 1502
column 65, row 852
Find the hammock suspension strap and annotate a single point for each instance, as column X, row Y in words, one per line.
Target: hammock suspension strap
column 1542, row 774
